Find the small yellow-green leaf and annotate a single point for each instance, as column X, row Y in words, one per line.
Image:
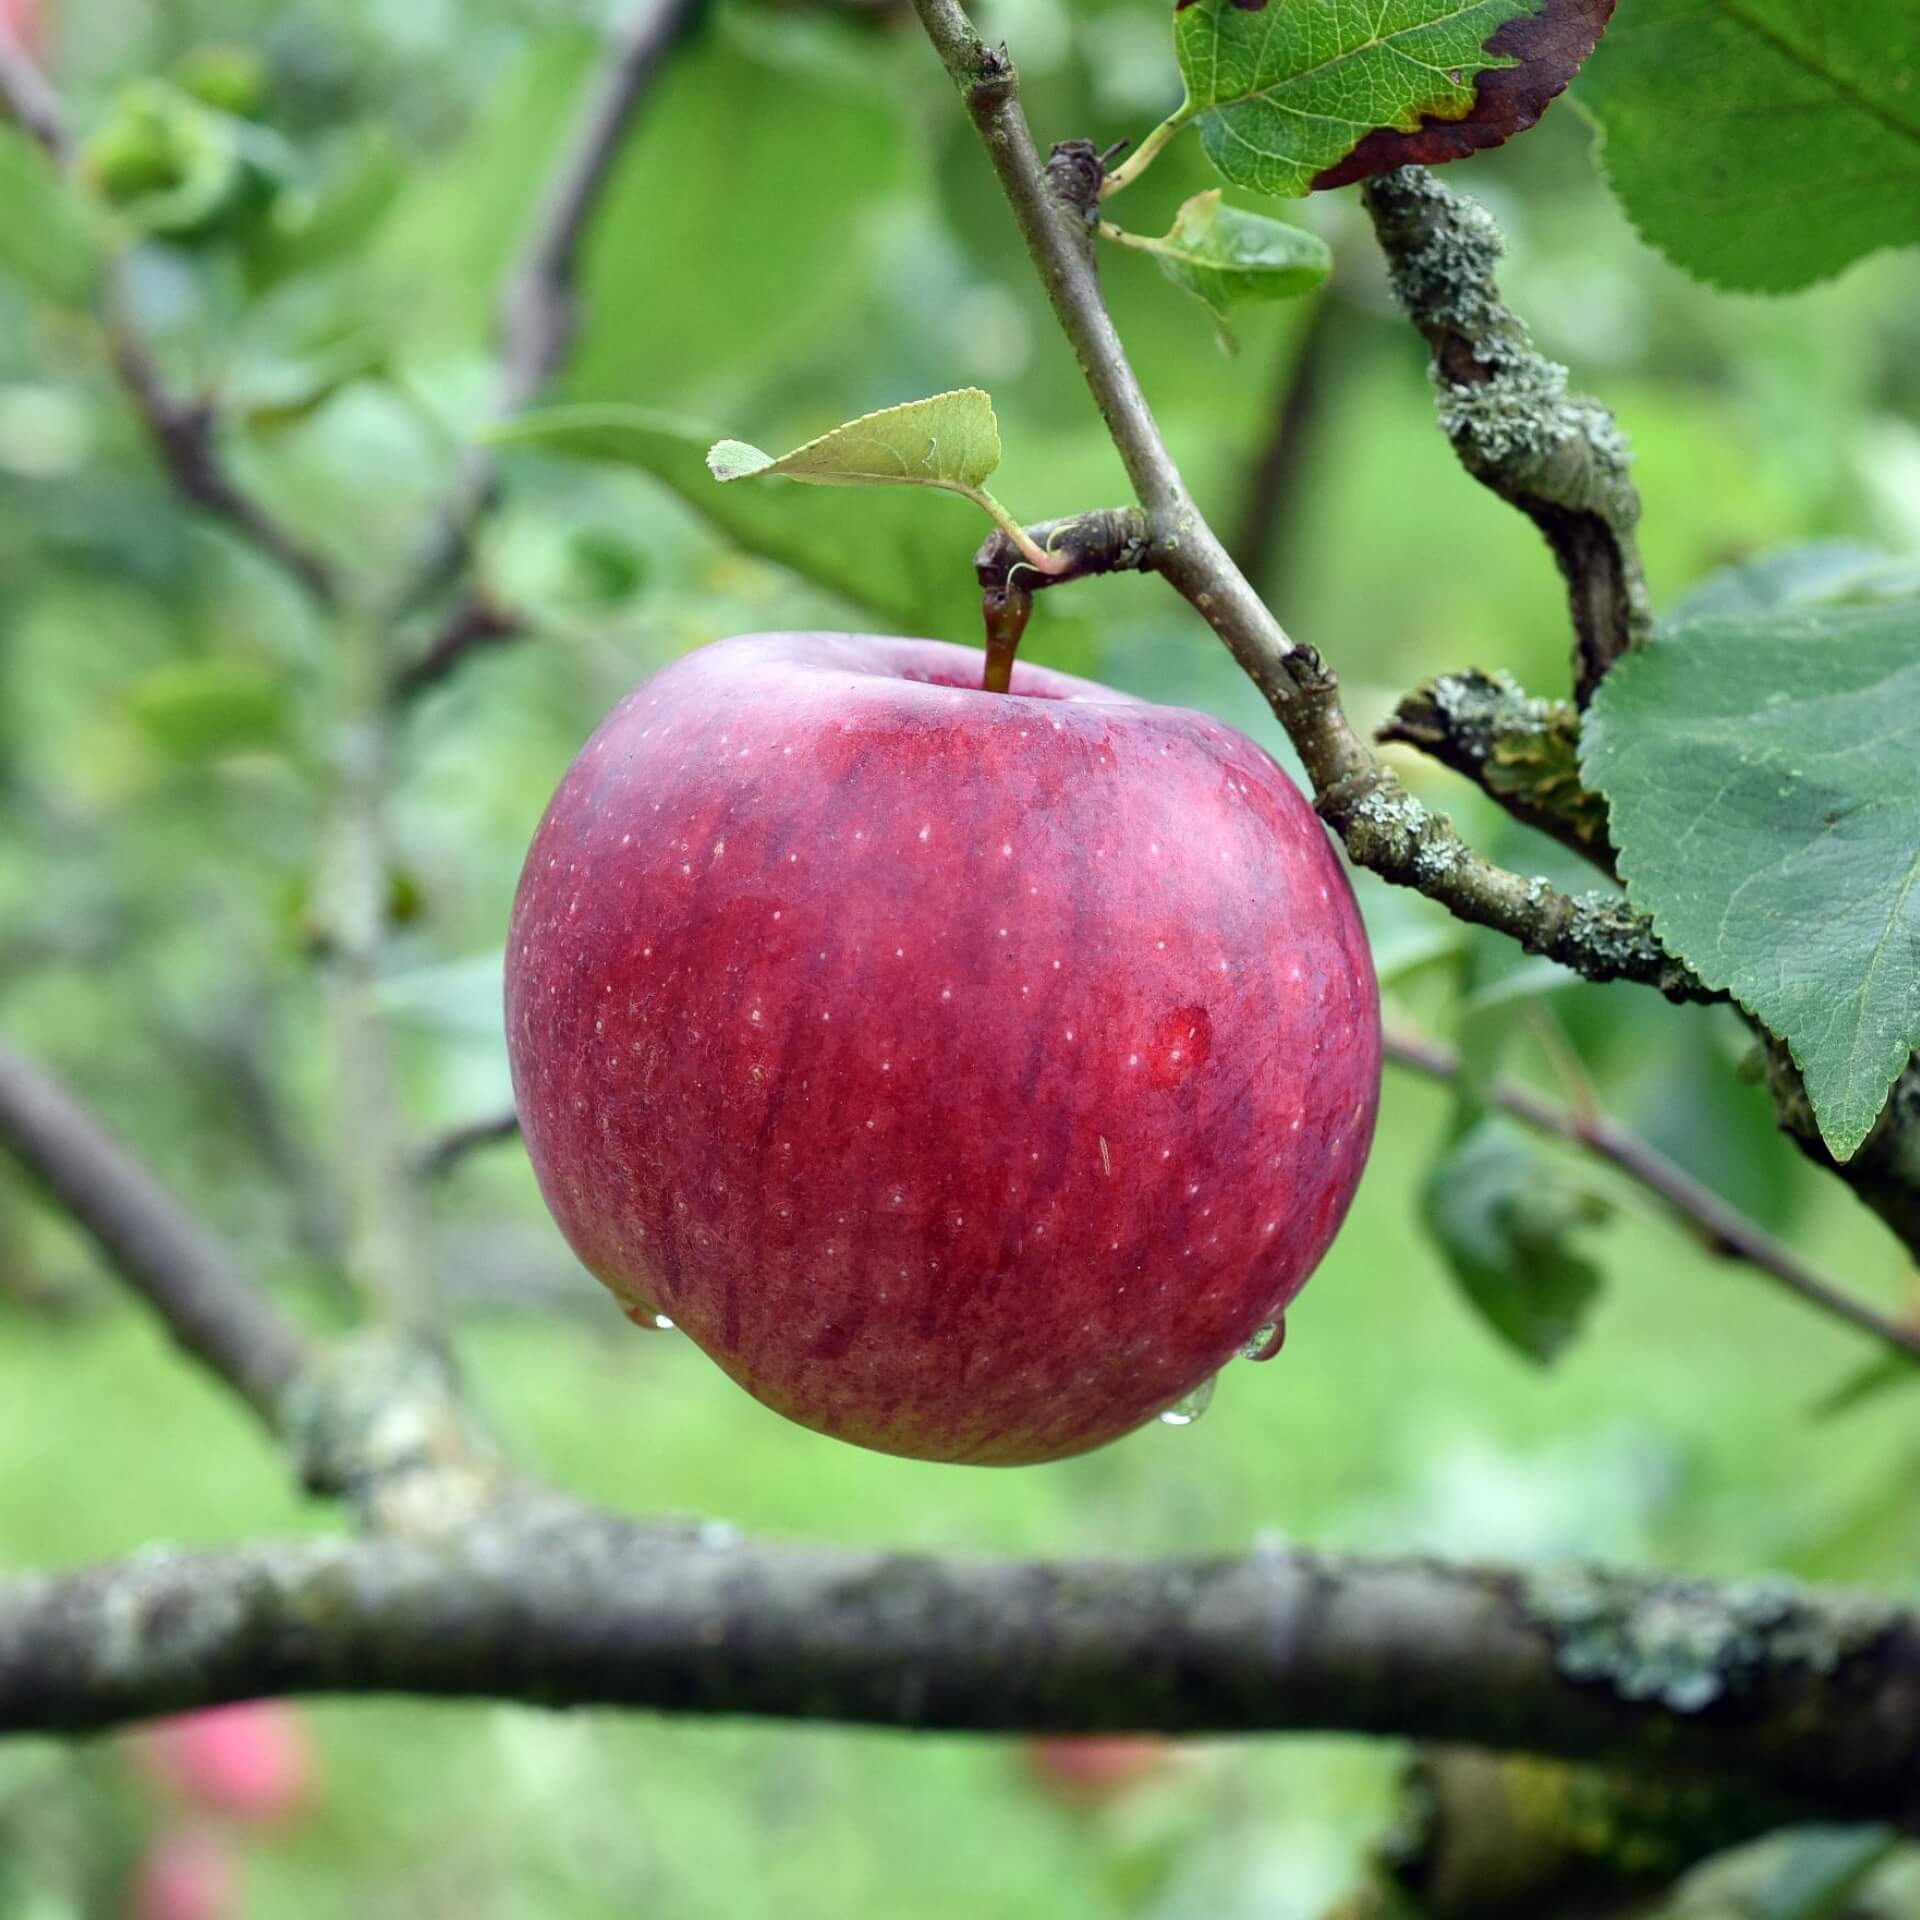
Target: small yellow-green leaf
column 950, row 440
column 735, row 460
column 1223, row 256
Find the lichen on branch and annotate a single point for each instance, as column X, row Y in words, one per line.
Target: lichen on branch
column 1560, row 458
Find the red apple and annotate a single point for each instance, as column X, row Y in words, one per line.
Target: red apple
column 1092, row 1770
column 970, row 1074
column 187, row 1874
column 251, row 1763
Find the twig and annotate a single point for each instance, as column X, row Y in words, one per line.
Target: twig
column 1519, row 750
column 1817, row 1695
column 184, row 432
column 441, row 1156
column 1275, row 478
column 1560, row 459
column 539, row 318
column 1382, row 826
column 31, row 99
column 1721, row 1225
column 184, row 1274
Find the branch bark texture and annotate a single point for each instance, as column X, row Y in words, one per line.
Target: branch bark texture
column 1817, row 1696
column 1505, row 407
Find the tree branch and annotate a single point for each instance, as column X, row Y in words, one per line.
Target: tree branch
column 1722, row 1226
column 1382, row 826
column 185, row 432
column 1521, row 751
column 183, row 1273
column 546, row 1602
column 1505, row 407
column 539, row 319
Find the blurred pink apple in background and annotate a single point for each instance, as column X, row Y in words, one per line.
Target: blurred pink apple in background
column 251, row 1763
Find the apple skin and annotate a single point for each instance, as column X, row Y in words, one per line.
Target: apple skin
column 971, row 1075
column 250, row 1763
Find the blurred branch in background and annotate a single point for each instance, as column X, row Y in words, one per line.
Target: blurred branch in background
column 1723, row 1228
column 539, row 320
column 186, row 432
column 184, row 1273
column 1301, row 402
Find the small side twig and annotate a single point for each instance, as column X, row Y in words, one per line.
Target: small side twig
column 1505, row 407
column 185, row 432
column 1719, row 1224
column 439, row 1157
column 1279, row 469
column 182, row 1271
column 1520, row 750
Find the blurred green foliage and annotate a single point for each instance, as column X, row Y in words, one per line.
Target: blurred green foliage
column 803, row 230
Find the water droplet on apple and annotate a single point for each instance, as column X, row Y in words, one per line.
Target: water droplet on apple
column 1267, row 1342
column 662, row 1324
column 1189, row 1407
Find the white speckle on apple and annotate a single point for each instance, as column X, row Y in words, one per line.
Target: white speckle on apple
column 946, row 993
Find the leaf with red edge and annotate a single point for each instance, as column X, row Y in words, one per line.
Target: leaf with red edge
column 1294, row 95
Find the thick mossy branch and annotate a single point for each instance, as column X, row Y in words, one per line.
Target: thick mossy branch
column 1505, row 407
column 1521, row 750
column 533, row 1598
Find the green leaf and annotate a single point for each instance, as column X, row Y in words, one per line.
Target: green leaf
column 1763, row 144
column 1291, row 97
column 1762, row 778
column 45, row 238
column 1504, row 1217
column 205, row 710
column 888, row 554
column 951, row 441
column 1224, row 257
column 1822, row 573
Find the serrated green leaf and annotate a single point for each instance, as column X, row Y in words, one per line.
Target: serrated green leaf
column 888, row 553
column 1763, row 144
column 1292, row 96
column 45, row 237
column 950, row 440
column 1225, row 257
column 1763, row 776
column 1504, row 1217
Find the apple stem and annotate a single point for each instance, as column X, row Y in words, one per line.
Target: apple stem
column 1005, row 606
